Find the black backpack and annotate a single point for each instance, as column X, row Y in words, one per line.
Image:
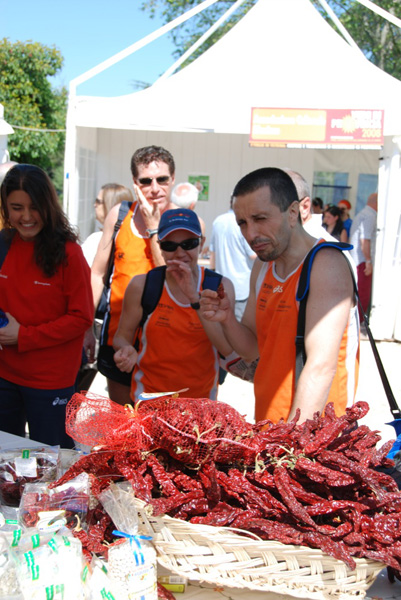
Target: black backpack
column 6, row 237
column 103, row 302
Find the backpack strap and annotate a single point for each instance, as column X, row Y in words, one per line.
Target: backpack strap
column 152, row 291
column 6, row 237
column 122, row 213
column 302, row 296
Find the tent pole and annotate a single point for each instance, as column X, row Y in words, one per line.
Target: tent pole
column 140, row 43
column 381, row 12
column 70, row 208
column 340, row 26
column 199, row 42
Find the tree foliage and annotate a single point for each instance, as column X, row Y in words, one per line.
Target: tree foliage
column 377, row 38
column 30, row 102
column 185, row 35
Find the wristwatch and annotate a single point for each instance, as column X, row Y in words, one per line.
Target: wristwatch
column 151, row 232
column 195, row 305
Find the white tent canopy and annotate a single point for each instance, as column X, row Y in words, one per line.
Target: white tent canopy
column 282, row 54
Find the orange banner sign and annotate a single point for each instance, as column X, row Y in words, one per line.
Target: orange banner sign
column 316, row 128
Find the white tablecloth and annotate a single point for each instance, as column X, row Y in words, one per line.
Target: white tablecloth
column 8, row 440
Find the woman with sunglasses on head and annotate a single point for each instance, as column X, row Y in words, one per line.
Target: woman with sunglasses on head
column 333, row 224
column 46, row 294
column 177, row 348
column 108, row 196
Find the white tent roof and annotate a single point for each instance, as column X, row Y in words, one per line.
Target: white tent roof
column 282, row 54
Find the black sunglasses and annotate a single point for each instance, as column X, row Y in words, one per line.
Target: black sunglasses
column 190, row 244
column 99, row 202
column 162, row 180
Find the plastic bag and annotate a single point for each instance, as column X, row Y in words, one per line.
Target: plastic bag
column 49, row 509
column 8, row 519
column 66, row 459
column 131, row 562
column 21, row 466
column 98, row 584
column 118, row 500
column 49, row 566
column 9, row 586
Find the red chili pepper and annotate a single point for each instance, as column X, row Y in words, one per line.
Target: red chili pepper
column 163, row 593
column 186, row 483
column 283, row 483
column 163, row 479
column 220, row 291
column 318, row 472
column 97, row 463
column 195, row 507
column 165, row 505
column 337, row 549
column 272, row 530
column 222, row 515
column 208, row 477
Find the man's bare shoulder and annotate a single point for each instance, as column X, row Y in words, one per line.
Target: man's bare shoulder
column 257, row 266
column 330, row 268
column 331, row 256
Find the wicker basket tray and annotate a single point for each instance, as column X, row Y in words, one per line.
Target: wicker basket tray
column 220, row 556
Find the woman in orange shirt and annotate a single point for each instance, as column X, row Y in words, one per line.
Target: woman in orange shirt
column 178, row 349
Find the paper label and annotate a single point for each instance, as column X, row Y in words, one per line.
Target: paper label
column 26, row 467
column 152, row 395
column 51, row 520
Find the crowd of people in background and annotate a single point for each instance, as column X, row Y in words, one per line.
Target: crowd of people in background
column 168, row 322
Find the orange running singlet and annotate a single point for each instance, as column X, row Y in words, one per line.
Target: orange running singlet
column 175, row 352
column 276, row 326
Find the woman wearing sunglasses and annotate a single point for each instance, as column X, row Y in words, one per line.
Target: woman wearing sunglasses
column 177, row 348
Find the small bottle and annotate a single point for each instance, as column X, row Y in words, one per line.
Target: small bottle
column 3, row 319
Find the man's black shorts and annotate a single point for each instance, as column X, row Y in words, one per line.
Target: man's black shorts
column 107, row 367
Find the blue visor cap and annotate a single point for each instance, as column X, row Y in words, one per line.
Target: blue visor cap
column 179, row 218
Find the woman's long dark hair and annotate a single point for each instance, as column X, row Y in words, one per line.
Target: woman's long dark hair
column 50, row 241
column 338, row 227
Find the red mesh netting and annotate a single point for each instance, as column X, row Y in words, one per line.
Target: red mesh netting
column 194, row 430
column 94, row 420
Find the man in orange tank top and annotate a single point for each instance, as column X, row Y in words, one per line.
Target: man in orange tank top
column 266, row 207
column 136, row 251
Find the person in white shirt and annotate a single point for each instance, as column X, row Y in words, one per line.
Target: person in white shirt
column 363, row 239
column 231, row 255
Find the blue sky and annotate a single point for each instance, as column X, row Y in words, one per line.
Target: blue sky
column 88, row 32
